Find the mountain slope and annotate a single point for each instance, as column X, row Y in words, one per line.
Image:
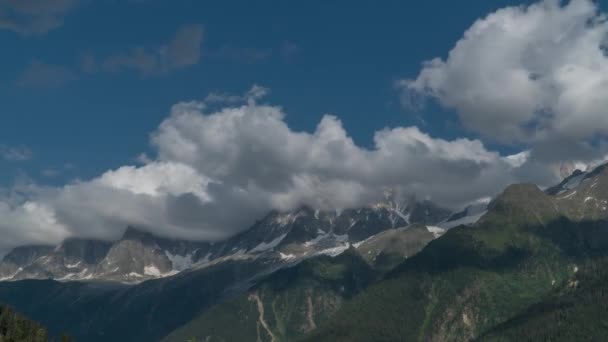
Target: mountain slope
column 473, row 279
column 92, row 311
column 292, row 302
column 16, row 328
column 147, row 310
column 285, row 305
column 386, row 250
column 575, row 311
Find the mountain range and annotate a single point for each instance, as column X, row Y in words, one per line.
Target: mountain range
column 491, row 272
column 138, row 256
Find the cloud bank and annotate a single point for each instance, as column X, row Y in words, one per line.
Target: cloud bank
column 532, row 76
column 216, row 171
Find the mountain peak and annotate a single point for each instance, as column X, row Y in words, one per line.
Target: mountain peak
column 515, row 193
column 521, row 204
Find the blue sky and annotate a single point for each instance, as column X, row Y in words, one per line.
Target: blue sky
column 243, row 108
column 316, row 58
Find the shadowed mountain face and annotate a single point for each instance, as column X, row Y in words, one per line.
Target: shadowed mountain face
column 196, row 276
column 139, row 256
column 292, row 302
column 92, row 311
column 285, row 305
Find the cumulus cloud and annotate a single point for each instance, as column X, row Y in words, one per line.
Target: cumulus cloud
column 252, row 147
column 531, row 75
column 182, row 51
column 216, row 171
column 34, row 17
column 534, row 76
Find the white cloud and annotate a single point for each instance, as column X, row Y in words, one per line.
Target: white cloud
column 251, row 148
column 29, row 223
column 534, row 75
column 156, row 179
column 218, row 171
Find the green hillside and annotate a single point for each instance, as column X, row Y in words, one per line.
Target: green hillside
column 576, row 311
column 286, row 305
column 472, row 280
column 16, row 328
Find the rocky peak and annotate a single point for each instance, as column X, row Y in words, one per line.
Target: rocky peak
column 521, row 204
column 25, row 255
column 88, row 251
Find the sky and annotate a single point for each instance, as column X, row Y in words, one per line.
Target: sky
column 193, row 119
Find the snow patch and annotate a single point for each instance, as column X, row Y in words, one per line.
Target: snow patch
column 358, row 244
column 12, row 275
column 264, row 246
column 334, row 251
column 316, row 240
column 180, row 262
column 76, row 276
column 286, row 256
column 567, row 196
column 285, row 219
column 73, row 265
column 152, row 270
column 436, row 231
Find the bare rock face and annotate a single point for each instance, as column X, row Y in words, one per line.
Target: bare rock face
column 135, row 257
column 282, row 237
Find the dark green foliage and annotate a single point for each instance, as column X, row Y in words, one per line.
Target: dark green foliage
column 92, row 312
column 293, row 301
column 16, row 328
column 576, row 311
column 472, row 280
